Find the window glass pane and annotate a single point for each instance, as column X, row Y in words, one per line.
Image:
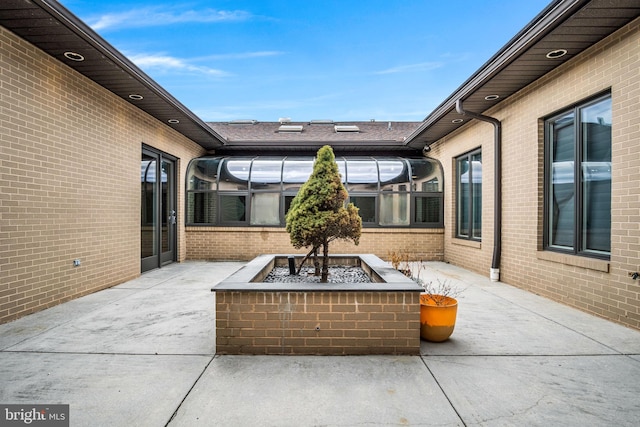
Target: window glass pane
column 562, row 192
column 201, row 208
column 362, row 175
column 296, row 171
column 342, row 169
column 203, row 174
column 366, row 207
column 234, row 174
column 476, row 202
column 233, row 208
column 287, row 203
column 463, row 196
column 394, row 175
column 266, row 174
column 426, row 175
column 394, row 209
column 149, row 197
column 596, row 177
column 428, row 210
column 265, row 209
column 469, row 196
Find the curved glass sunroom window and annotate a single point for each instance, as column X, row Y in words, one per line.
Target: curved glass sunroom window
column 296, row 172
column 362, row 175
column 257, row 191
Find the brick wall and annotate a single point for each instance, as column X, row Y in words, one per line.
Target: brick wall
column 245, row 243
column 325, row 323
column 599, row 287
column 69, row 181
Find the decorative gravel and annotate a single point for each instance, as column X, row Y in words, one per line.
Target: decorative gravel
column 337, row 274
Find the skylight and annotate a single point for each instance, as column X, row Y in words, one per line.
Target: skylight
column 347, row 128
column 243, row 122
column 290, row 128
column 321, row 122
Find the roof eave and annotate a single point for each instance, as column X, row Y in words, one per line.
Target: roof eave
column 211, row 138
column 376, row 146
column 551, row 17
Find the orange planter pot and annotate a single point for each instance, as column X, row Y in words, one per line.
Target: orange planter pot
column 437, row 321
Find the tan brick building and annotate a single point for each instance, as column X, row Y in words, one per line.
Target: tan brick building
column 596, row 276
column 81, row 128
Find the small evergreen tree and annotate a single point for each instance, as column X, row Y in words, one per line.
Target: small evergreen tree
column 318, row 214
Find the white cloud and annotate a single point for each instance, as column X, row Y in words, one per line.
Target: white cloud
column 423, row 66
column 242, row 55
column 172, row 64
column 156, row 16
column 267, row 109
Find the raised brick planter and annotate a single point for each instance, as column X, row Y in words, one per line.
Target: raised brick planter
column 329, row 319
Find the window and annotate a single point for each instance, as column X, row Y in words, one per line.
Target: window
column 578, row 179
column 296, row 172
column 233, row 208
column 366, row 208
column 426, row 188
column 257, row 191
column 201, row 207
column 234, row 175
column 427, row 210
column 469, row 196
column 394, row 209
column 265, row 209
column 362, row 175
column 265, row 182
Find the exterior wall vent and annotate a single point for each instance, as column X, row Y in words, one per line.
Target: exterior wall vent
column 347, row 128
column 290, row 128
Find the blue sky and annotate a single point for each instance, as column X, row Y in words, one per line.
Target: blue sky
column 345, row 60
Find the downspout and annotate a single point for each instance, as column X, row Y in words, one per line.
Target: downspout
column 497, row 188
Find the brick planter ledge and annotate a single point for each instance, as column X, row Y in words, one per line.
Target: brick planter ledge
column 253, row 317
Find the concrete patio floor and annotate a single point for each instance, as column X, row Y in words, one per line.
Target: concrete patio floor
column 143, row 354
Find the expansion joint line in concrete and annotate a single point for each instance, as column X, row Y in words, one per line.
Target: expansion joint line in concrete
column 106, row 353
column 442, row 390
column 189, row 392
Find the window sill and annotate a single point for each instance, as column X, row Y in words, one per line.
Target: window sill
column 574, row 260
column 468, row 243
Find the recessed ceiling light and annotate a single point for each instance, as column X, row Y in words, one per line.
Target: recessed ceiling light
column 457, row 120
column 491, row 97
column 558, row 53
column 74, row 56
column 174, row 121
column 136, row 97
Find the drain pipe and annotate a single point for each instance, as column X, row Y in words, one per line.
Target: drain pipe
column 494, row 272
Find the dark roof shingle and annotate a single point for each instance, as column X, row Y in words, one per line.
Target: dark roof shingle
column 373, row 135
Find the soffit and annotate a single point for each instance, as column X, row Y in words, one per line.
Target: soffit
column 55, row 30
column 571, row 25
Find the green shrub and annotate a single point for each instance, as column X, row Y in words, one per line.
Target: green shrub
column 318, row 214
